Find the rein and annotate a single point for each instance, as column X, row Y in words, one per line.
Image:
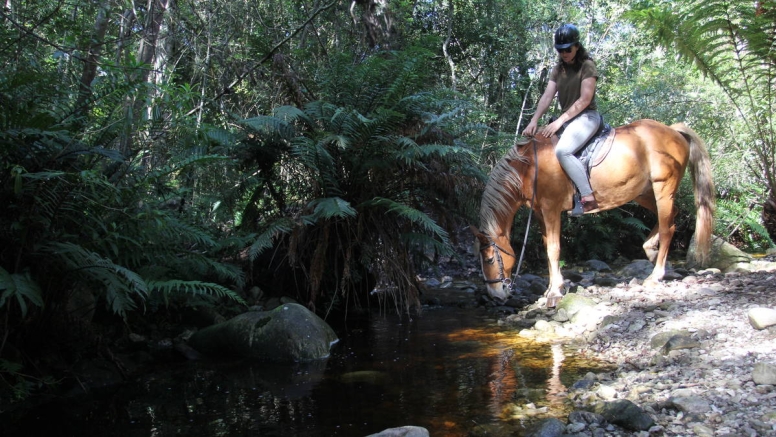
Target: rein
column 508, row 282
column 530, row 211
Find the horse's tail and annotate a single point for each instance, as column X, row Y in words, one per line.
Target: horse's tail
column 705, row 194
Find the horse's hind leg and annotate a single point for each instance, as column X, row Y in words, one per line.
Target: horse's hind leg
column 666, row 212
column 650, row 245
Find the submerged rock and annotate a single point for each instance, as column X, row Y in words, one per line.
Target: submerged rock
column 288, row 333
column 404, row 431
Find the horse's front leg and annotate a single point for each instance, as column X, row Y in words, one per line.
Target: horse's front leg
column 551, row 226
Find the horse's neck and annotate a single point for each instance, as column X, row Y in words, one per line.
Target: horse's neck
column 507, row 192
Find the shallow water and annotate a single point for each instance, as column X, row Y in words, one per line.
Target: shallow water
column 450, row 370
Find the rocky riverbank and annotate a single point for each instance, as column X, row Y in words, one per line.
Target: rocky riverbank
column 695, row 355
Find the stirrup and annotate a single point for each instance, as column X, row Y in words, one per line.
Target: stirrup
column 578, row 210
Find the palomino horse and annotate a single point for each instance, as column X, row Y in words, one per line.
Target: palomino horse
column 645, row 164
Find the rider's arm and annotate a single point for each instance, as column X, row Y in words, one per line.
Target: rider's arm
column 541, row 108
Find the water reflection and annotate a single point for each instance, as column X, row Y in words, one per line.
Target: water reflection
column 450, row 370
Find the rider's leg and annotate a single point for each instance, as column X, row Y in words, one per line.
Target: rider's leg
column 574, row 137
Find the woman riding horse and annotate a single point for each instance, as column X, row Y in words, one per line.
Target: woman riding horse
column 573, row 79
column 645, row 164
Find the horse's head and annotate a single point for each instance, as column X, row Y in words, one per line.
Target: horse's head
column 497, row 260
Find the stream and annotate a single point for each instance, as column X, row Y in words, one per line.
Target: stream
column 453, row 371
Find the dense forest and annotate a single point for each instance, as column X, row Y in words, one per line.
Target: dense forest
column 166, row 154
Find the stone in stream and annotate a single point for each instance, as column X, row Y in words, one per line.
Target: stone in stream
column 404, row 431
column 289, row 333
column 626, row 414
column 761, row 318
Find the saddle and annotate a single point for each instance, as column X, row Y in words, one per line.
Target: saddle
column 596, row 149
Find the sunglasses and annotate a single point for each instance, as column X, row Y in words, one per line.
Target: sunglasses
column 566, row 50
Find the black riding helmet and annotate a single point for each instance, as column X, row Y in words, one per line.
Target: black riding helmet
column 566, row 36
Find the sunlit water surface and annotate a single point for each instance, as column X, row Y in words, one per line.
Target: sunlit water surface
column 452, row 371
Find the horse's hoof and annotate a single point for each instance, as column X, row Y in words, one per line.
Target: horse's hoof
column 552, row 302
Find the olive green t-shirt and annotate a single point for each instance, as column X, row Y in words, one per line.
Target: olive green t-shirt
column 569, row 81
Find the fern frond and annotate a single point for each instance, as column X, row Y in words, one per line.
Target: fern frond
column 121, row 284
column 175, row 230
column 408, row 213
column 328, row 208
column 635, row 223
column 167, row 288
column 19, row 286
column 220, row 136
column 269, row 125
column 292, row 114
column 264, row 240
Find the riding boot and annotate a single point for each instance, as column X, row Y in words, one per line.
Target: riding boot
column 590, row 205
column 580, row 207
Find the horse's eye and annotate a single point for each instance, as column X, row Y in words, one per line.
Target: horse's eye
column 490, row 260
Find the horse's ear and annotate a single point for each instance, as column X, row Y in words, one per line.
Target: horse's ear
column 477, row 233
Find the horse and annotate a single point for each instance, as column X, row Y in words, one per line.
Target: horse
column 645, row 164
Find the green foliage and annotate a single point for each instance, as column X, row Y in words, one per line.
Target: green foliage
column 618, row 232
column 731, row 43
column 20, row 385
column 739, row 220
column 342, row 157
column 366, row 179
column 20, row 287
column 167, row 288
column 119, row 284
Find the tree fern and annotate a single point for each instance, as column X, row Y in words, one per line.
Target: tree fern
column 329, row 208
column 732, row 43
column 408, row 213
column 360, row 176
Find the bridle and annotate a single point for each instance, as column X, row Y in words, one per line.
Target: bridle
column 497, row 253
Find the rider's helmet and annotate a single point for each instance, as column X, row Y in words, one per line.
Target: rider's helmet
column 566, row 36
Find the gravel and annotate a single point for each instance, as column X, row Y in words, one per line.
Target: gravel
column 686, row 351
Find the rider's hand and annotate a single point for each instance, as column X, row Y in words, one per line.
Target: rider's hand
column 551, row 128
column 530, row 130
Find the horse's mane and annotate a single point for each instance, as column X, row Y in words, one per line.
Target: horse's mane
column 502, row 190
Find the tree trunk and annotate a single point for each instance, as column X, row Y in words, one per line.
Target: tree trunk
column 769, row 215
column 92, row 55
column 147, row 58
column 450, row 62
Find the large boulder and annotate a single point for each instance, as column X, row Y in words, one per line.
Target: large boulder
column 723, row 256
column 288, row 333
column 404, row 431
